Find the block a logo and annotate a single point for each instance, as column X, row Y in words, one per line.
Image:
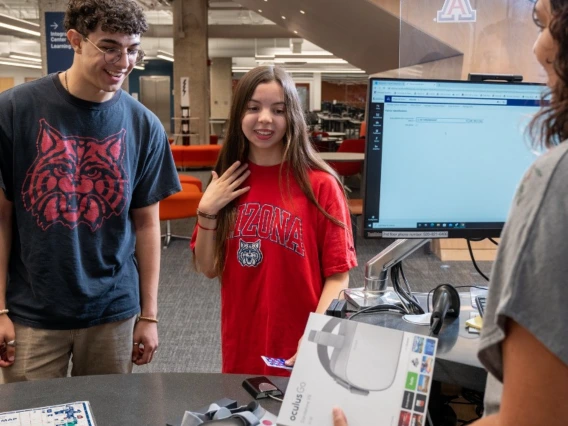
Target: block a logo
column 456, row 11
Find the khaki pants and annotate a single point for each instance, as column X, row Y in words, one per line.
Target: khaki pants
column 45, row 354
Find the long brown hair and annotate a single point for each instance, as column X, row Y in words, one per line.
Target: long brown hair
column 299, row 153
column 549, row 127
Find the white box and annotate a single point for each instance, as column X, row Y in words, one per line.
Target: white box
column 377, row 375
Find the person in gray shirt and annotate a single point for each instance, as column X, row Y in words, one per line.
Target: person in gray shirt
column 524, row 338
column 524, row 341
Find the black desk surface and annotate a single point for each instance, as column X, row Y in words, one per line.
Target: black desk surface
column 157, row 398
column 456, row 359
column 151, row 399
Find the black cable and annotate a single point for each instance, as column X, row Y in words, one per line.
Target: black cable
column 379, row 309
column 407, row 299
column 493, row 241
column 473, row 259
column 407, row 284
column 395, row 286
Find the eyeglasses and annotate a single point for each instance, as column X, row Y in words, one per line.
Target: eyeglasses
column 113, row 55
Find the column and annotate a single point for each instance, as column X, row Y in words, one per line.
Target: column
column 191, row 61
column 316, row 92
column 221, row 93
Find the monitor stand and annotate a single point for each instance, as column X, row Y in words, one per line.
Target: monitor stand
column 375, row 292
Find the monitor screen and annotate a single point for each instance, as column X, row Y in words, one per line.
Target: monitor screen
column 444, row 158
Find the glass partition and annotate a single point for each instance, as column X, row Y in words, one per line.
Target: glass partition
column 448, row 39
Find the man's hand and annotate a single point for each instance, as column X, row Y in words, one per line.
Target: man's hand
column 145, row 343
column 339, row 418
column 7, row 341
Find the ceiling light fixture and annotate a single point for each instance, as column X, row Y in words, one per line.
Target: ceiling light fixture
column 23, row 57
column 309, row 70
column 167, row 58
column 20, row 64
column 283, row 17
column 162, row 54
column 305, row 60
column 302, row 12
column 19, row 25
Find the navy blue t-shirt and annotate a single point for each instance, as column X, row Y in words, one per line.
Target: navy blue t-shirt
column 74, row 170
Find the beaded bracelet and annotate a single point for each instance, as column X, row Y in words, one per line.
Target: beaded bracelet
column 4, row 311
column 206, row 215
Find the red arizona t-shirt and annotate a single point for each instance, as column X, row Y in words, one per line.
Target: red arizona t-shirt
column 281, row 249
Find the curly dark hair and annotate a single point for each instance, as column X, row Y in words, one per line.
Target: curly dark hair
column 114, row 16
column 550, row 125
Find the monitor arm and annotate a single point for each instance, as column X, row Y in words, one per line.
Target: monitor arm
column 376, row 269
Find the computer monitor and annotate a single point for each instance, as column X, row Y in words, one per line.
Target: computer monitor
column 443, row 158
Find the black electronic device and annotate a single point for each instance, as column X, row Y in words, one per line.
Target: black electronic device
column 330, row 311
column 445, row 302
column 337, row 308
column 434, row 156
column 480, row 301
column 261, row 387
column 511, row 78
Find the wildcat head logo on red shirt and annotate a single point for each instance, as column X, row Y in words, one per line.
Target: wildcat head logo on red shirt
column 249, row 254
column 75, row 179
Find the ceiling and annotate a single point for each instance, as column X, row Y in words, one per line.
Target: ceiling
column 247, row 29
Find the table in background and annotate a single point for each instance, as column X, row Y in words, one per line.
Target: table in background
column 333, row 123
column 152, row 399
column 331, row 142
column 336, row 134
column 341, row 156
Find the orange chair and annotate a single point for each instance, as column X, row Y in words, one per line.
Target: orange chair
column 195, row 156
column 213, row 139
column 349, row 168
column 191, row 179
column 182, row 205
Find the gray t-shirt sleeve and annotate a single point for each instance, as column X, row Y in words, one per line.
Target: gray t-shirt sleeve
column 528, row 281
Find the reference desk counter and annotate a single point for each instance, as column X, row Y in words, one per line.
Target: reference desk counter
column 456, row 358
column 146, row 399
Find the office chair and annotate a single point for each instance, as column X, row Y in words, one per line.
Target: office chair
column 349, row 168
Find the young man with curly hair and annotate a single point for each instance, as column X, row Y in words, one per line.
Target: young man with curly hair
column 82, row 168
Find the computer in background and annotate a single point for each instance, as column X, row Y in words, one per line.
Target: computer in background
column 443, row 160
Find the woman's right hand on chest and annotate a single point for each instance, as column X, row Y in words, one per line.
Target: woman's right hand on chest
column 225, row 188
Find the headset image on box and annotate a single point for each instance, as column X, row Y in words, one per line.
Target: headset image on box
column 359, row 362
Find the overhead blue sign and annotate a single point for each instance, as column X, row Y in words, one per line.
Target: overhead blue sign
column 58, row 50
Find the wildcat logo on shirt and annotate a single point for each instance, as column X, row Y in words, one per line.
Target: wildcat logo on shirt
column 249, row 254
column 75, row 179
column 268, row 222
